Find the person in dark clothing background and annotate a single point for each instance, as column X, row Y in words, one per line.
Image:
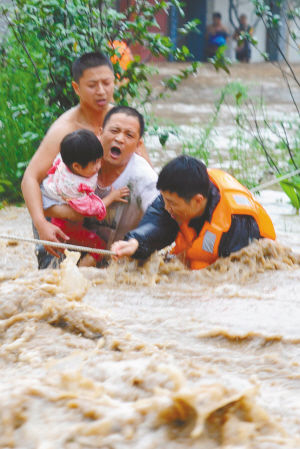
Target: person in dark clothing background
column 243, row 48
column 216, row 35
column 208, row 213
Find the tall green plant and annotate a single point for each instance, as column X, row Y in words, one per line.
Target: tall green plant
column 53, row 33
column 278, row 140
column 282, row 23
column 43, row 40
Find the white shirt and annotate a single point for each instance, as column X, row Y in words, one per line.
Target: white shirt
column 121, row 218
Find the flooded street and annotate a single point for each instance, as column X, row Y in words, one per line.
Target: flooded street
column 194, row 99
column 156, row 356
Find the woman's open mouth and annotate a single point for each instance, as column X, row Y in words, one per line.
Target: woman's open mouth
column 115, row 152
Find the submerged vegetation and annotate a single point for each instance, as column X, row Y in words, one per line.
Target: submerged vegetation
column 257, row 144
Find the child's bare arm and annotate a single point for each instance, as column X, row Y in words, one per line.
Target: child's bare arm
column 116, row 195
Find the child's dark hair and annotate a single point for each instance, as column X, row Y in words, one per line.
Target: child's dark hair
column 185, row 176
column 127, row 110
column 88, row 61
column 80, row 146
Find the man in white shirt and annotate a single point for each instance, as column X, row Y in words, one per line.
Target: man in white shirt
column 121, row 135
column 93, row 82
column 141, row 179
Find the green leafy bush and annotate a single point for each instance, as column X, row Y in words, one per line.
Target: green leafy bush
column 292, row 189
column 44, row 38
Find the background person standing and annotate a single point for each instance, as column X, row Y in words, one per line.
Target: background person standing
column 216, row 35
column 243, row 49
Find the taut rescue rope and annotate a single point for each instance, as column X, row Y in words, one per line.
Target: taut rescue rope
column 275, row 181
column 103, row 252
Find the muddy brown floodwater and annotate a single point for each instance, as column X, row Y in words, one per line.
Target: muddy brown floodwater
column 154, row 356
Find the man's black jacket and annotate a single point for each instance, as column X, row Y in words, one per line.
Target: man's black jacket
column 158, row 229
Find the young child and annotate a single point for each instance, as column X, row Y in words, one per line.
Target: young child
column 72, row 179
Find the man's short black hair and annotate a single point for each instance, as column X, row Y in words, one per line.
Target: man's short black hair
column 88, row 61
column 127, row 110
column 217, row 15
column 186, row 176
column 80, row 146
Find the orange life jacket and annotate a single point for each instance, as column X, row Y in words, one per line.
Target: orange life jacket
column 202, row 250
column 125, row 54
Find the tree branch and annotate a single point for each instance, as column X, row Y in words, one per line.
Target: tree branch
column 22, row 43
column 274, row 40
column 233, row 8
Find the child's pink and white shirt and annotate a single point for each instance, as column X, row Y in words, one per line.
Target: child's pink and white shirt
column 64, row 186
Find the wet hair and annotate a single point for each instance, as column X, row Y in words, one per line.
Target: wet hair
column 217, row 15
column 88, row 61
column 81, row 146
column 186, row 176
column 127, row 110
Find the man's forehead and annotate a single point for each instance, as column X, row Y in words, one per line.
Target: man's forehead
column 122, row 120
column 99, row 72
column 174, row 199
column 170, row 196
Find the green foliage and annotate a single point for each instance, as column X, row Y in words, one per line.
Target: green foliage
column 263, row 9
column 243, row 155
column 194, row 146
column 163, row 131
column 53, row 33
column 37, row 52
column 291, row 186
column 257, row 134
column 189, row 27
column 6, row 188
column 24, row 117
column 251, row 149
column 220, row 61
column 286, row 135
column 173, row 81
column 292, row 189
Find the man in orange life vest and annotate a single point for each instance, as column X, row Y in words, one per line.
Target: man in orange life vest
column 207, row 212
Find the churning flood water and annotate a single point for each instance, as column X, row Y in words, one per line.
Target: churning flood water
column 154, row 356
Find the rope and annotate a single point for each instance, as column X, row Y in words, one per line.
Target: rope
column 103, row 252
column 275, row 181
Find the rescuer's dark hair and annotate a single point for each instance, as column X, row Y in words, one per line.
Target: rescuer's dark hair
column 186, row 176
